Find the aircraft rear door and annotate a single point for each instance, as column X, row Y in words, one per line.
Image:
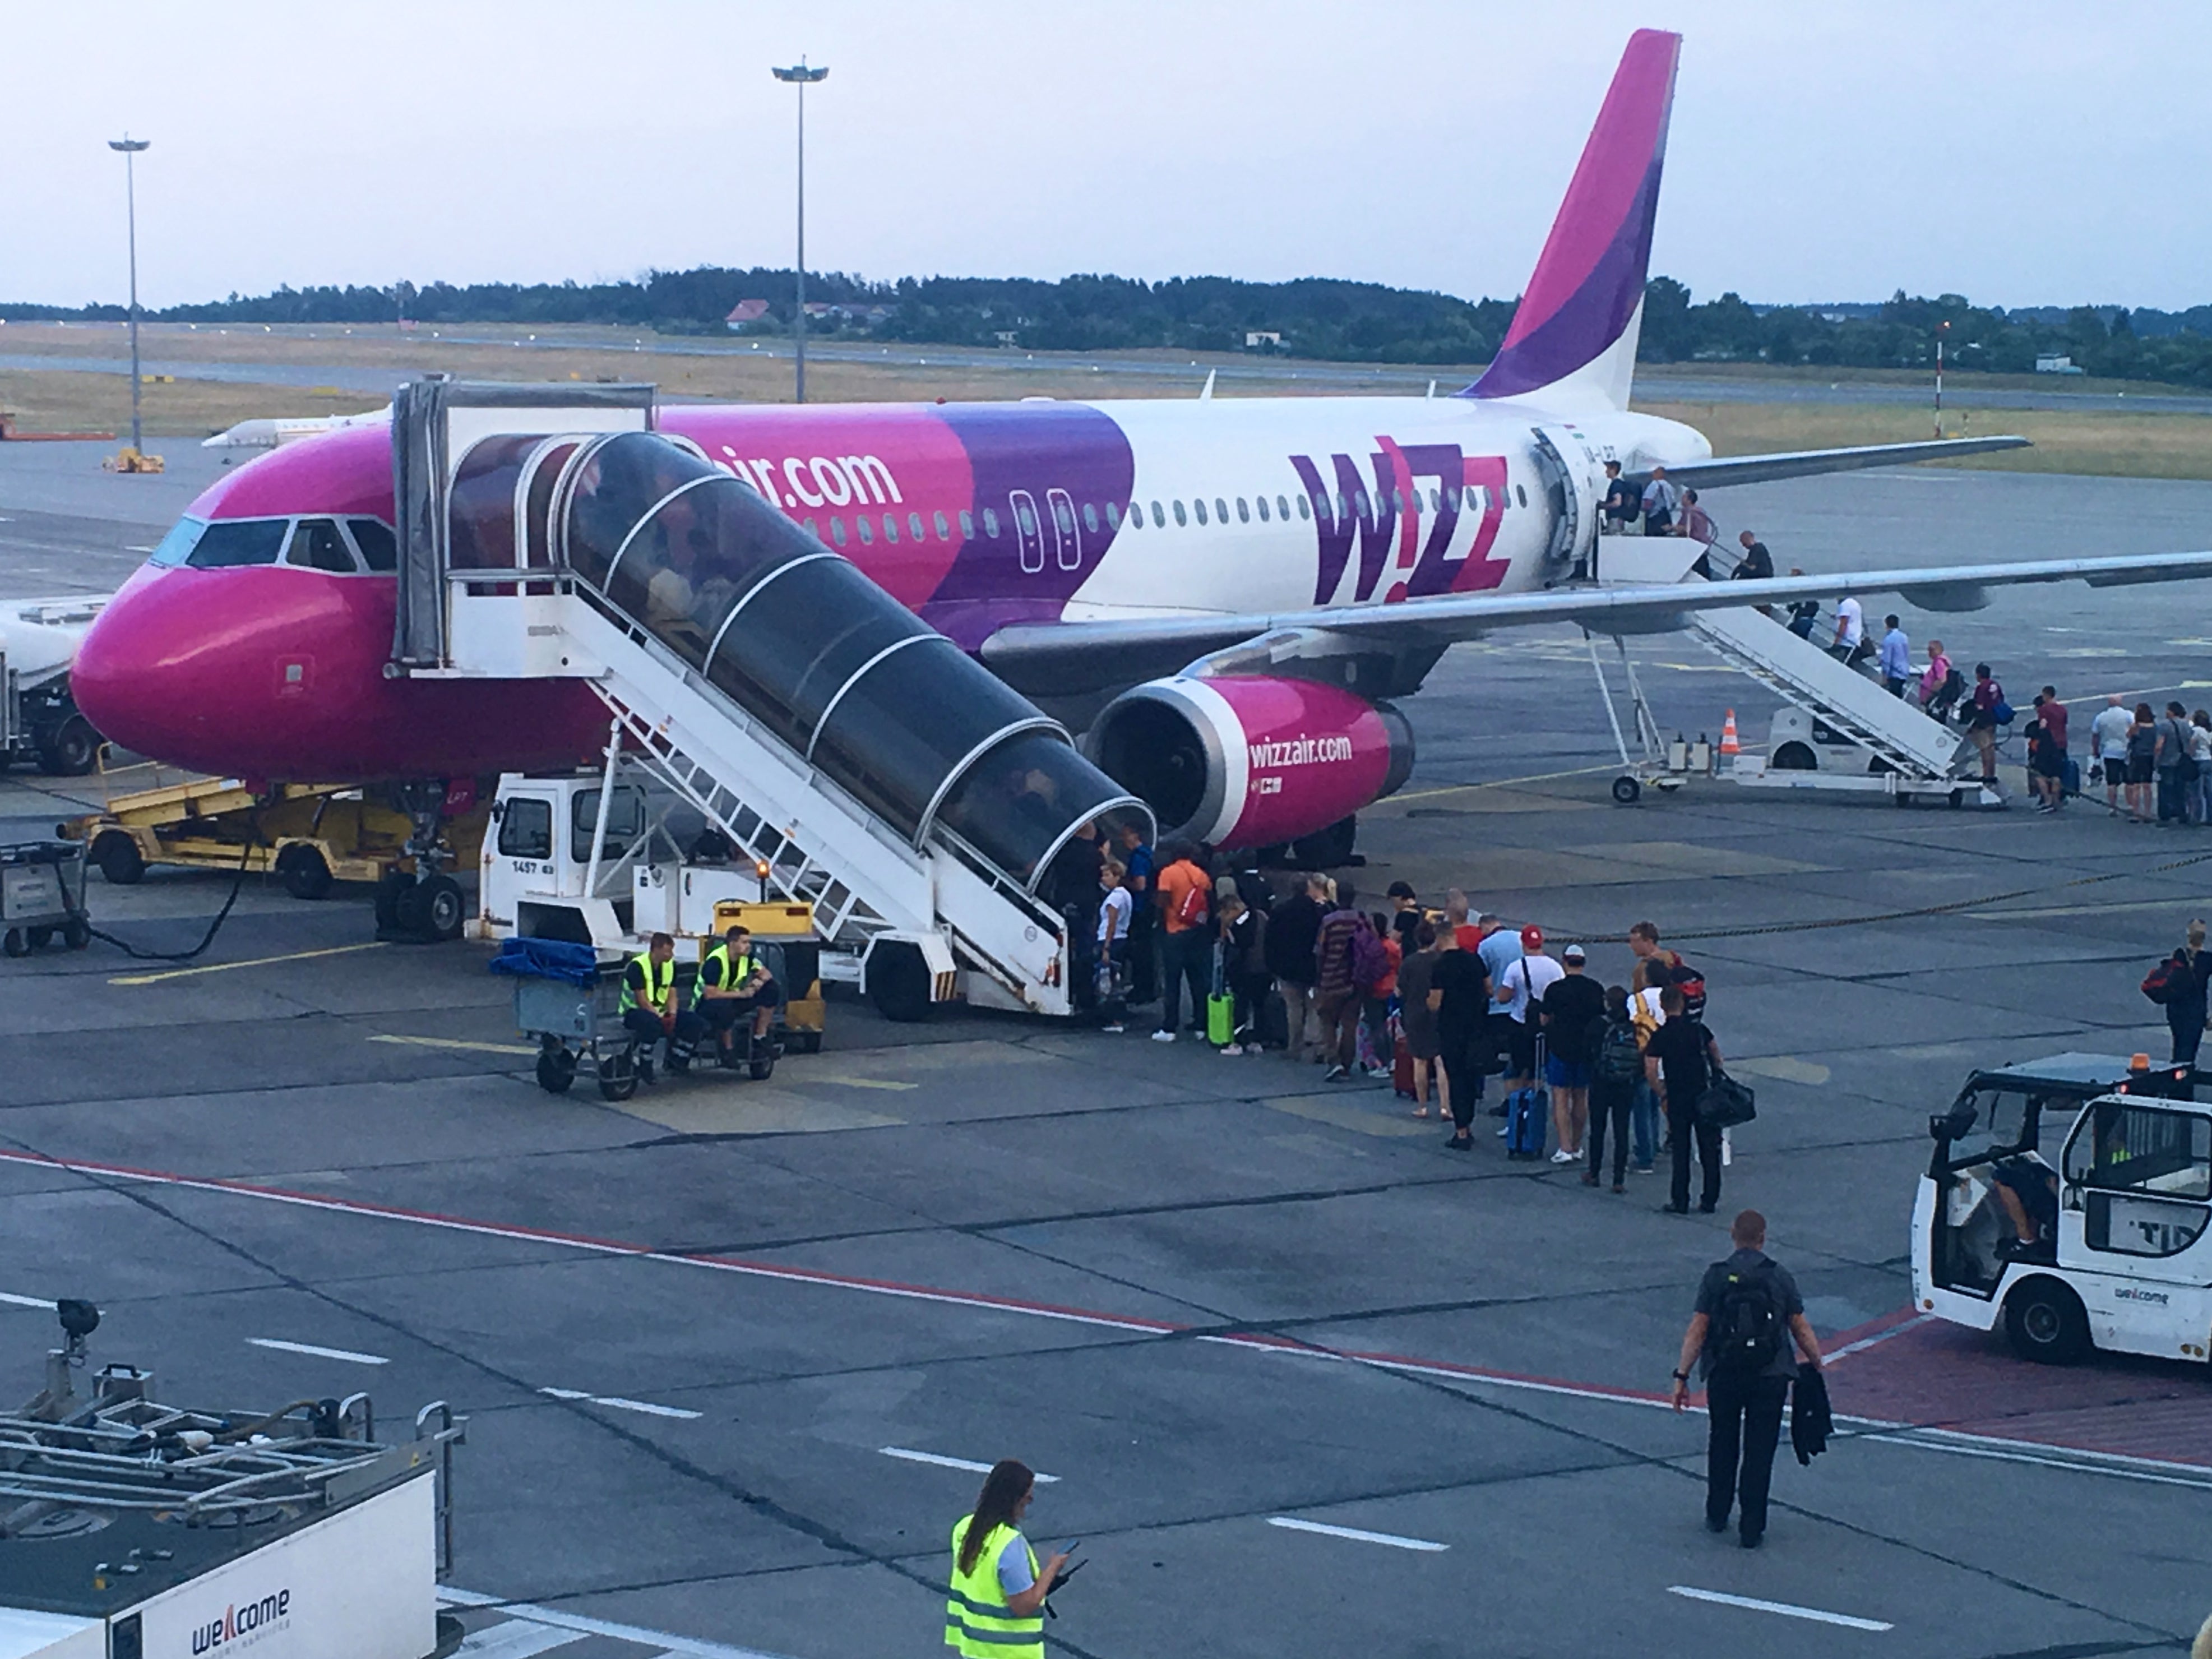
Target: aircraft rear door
column 1569, row 469
column 1028, row 531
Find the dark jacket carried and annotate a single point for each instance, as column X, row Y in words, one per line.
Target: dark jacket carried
column 1292, row 931
column 1810, row 1424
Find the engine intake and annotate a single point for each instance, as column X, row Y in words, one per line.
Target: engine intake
column 1251, row 761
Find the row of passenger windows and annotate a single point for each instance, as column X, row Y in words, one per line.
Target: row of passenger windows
column 1112, row 516
column 326, row 545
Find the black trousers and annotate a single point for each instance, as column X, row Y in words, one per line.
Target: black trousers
column 1746, row 1427
column 644, row 1025
column 1610, row 1106
column 2186, row 1022
column 1144, row 951
column 1465, row 1056
column 1683, row 1124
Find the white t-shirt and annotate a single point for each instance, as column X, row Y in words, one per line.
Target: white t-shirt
column 2110, row 729
column 1853, row 621
column 2200, row 745
column 1115, row 908
column 1527, row 978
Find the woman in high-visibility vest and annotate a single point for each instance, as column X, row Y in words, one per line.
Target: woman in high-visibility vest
column 996, row 1608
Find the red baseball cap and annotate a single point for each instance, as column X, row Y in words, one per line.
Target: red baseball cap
column 1532, row 938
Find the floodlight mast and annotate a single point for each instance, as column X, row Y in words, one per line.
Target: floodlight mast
column 802, row 77
column 130, row 147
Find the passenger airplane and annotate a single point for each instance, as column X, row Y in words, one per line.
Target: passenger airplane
column 1317, row 554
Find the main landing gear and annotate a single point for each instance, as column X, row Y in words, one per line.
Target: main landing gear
column 424, row 906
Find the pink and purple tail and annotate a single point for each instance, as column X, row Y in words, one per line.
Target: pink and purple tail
column 1578, row 321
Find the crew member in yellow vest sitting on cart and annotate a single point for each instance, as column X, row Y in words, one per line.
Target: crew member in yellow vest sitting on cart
column 732, row 980
column 648, row 999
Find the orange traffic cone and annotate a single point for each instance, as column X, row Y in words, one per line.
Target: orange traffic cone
column 1729, row 744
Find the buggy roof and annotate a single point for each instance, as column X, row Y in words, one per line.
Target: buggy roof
column 2083, row 1075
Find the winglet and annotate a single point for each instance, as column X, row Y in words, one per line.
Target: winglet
column 1576, row 325
column 1206, row 392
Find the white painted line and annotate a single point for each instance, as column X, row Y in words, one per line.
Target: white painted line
column 2054, row 1457
column 694, row 1647
column 1290, row 1523
column 516, row 1638
column 623, row 1404
column 24, row 1301
column 1784, row 1608
column 314, row 1352
column 863, row 1082
column 456, row 1043
column 944, row 1463
column 1878, row 1338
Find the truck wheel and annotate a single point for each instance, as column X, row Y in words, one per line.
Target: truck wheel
column 1626, row 790
column 76, row 933
column 556, row 1070
column 2044, row 1322
column 444, row 909
column 70, row 750
column 15, row 943
column 898, row 982
column 306, row 874
column 118, row 858
column 617, row 1075
column 1794, row 756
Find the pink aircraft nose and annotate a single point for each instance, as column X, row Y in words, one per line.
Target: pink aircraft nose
column 137, row 676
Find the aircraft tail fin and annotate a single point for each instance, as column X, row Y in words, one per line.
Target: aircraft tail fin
column 1576, row 330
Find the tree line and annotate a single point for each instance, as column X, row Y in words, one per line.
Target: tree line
column 1311, row 317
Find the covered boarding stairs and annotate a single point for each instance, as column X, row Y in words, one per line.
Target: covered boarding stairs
column 870, row 766
column 1905, row 751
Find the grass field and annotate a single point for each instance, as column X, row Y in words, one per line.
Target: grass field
column 2086, row 440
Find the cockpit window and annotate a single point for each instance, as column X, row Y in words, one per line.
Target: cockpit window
column 317, row 545
column 380, row 550
column 232, row 542
column 176, row 547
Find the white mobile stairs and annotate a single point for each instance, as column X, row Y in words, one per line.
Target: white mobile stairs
column 862, row 761
column 1840, row 729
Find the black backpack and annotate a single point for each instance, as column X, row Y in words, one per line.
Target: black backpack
column 1619, row 1060
column 1746, row 1331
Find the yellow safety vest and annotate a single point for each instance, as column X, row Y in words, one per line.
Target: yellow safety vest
column 660, row 984
column 719, row 952
column 976, row 1622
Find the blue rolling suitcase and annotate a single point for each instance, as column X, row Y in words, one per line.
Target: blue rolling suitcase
column 1527, row 1113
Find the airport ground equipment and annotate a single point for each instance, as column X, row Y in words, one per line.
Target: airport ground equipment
column 878, row 772
column 310, row 835
column 129, row 1527
column 39, row 724
column 1838, row 730
column 2113, row 1158
column 568, row 998
column 42, row 896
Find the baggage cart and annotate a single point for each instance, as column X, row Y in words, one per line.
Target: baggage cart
column 42, row 894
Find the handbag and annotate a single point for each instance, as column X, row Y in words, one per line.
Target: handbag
column 1725, row 1102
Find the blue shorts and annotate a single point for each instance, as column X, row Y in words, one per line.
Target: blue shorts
column 1566, row 1073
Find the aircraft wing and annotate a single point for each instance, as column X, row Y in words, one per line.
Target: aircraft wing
column 1805, row 463
column 1071, row 657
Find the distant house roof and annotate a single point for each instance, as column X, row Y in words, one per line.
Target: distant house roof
column 747, row 310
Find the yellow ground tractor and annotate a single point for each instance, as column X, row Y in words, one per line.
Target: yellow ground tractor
column 310, row 835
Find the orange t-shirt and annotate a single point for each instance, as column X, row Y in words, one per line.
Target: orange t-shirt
column 1174, row 884
column 1469, row 934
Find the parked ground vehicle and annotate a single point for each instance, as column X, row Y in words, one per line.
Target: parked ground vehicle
column 40, row 725
column 2109, row 1162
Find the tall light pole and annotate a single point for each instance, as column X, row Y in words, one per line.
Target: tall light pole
column 1942, row 331
column 802, row 77
column 130, row 146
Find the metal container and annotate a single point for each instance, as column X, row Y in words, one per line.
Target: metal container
column 42, row 894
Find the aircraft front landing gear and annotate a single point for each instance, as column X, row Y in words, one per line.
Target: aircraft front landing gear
column 426, row 907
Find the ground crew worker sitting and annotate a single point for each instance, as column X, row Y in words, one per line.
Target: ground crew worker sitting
column 996, row 1607
column 732, row 980
column 648, row 999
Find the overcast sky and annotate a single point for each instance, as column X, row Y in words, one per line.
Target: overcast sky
column 2019, row 153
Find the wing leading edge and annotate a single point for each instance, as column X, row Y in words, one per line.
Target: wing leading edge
column 1072, row 656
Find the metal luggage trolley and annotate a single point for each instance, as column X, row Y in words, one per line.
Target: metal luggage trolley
column 42, row 894
column 568, row 997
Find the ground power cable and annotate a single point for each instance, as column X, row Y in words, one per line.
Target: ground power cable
column 237, row 886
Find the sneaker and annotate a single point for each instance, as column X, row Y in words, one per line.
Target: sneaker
column 1562, row 1156
column 1113, row 1030
column 1589, row 1180
column 1645, row 1168
column 1163, row 1036
column 1460, row 1144
column 1378, row 1072
column 1232, row 1048
column 1334, row 1074
column 1618, row 1187
column 1750, row 1541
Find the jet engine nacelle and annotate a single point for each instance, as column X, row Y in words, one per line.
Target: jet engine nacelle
column 1251, row 761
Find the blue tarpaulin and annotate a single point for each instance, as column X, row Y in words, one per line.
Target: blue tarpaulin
column 547, row 958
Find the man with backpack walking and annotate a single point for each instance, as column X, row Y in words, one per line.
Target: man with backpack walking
column 1749, row 1317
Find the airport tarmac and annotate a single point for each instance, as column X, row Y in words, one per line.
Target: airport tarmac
column 1306, row 1382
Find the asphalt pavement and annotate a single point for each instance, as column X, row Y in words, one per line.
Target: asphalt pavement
column 1308, row 1383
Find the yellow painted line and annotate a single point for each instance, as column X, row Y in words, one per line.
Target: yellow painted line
column 1784, row 1068
column 860, row 1082
column 255, row 962
column 1348, row 1117
column 1497, row 783
column 455, row 1042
